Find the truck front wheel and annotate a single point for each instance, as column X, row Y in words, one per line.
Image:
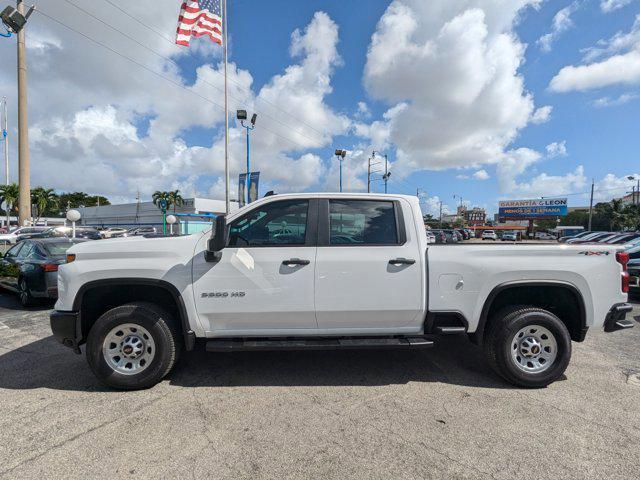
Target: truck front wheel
column 528, row 347
column 133, row 346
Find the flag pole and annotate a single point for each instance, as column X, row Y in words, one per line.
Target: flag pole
column 226, row 114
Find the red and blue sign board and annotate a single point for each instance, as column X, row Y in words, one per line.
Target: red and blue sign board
column 536, row 208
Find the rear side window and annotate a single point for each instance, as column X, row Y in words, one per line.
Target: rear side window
column 362, row 222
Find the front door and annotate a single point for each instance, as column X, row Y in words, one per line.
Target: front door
column 368, row 267
column 263, row 285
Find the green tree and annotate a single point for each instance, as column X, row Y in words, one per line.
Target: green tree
column 45, row 201
column 9, row 195
column 159, row 195
column 176, row 199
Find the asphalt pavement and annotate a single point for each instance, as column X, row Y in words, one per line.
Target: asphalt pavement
column 438, row 413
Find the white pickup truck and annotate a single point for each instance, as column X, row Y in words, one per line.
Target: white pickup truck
column 329, row 271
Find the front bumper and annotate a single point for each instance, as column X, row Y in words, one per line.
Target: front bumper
column 65, row 327
column 617, row 318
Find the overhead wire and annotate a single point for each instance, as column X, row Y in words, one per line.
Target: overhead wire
column 231, row 80
column 173, row 62
column 160, row 75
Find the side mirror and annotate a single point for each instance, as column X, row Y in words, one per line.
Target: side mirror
column 218, row 240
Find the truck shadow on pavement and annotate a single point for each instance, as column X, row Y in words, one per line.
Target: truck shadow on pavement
column 47, row 364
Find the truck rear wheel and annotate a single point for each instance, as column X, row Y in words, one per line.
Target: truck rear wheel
column 528, row 347
column 133, row 346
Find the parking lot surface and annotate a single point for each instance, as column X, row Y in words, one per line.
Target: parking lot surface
column 438, row 413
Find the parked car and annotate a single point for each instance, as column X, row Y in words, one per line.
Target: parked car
column 30, row 268
column 113, row 232
column 431, row 237
column 489, row 235
column 509, row 237
column 19, row 233
column 593, row 238
column 545, row 236
column 633, row 267
column 452, row 237
column 137, row 231
column 463, row 233
column 88, row 233
column 136, row 304
column 440, row 236
column 622, row 238
column 574, row 237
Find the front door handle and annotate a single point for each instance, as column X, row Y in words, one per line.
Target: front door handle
column 295, row 261
column 402, row 261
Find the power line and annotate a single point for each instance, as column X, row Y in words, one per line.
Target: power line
column 164, row 77
column 238, row 84
column 173, row 62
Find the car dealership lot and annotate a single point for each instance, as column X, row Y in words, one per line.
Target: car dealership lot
column 420, row 414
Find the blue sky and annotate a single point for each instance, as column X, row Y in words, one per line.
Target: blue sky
column 479, row 99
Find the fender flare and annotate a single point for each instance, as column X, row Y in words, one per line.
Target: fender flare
column 188, row 334
column 478, row 335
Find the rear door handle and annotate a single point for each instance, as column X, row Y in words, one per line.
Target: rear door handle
column 402, row 261
column 296, row 261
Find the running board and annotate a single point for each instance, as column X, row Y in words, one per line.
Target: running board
column 451, row 330
column 246, row 344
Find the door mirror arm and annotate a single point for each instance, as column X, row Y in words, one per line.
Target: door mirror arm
column 218, row 241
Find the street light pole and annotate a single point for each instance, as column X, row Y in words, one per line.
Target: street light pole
column 340, row 154
column 24, row 201
column 591, row 203
column 242, row 116
column 5, row 133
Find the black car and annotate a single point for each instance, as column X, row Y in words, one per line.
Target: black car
column 88, row 233
column 30, row 268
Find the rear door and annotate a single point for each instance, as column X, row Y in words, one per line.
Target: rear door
column 368, row 267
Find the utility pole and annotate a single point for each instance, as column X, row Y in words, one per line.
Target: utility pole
column 5, row 133
column 440, row 213
column 387, row 174
column 591, row 203
column 369, row 175
column 24, row 202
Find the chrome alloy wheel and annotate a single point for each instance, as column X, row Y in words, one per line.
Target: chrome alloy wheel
column 534, row 349
column 128, row 349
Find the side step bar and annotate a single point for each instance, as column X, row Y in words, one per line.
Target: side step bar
column 249, row 344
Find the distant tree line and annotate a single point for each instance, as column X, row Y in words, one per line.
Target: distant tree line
column 607, row 216
column 46, row 202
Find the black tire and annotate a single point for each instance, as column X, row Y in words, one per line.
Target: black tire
column 162, row 328
column 498, row 345
column 24, row 293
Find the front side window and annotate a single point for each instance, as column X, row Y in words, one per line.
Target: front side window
column 271, row 225
column 362, row 222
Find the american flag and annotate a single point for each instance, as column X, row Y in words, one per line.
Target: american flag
column 198, row 18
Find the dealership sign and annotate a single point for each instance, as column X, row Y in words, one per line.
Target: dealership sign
column 546, row 207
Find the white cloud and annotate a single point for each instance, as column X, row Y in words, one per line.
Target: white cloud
column 545, row 185
column 97, row 117
column 612, row 186
column 616, row 101
column 542, row 114
column 556, row 149
column 451, row 68
column 619, row 64
column 481, row 175
column 561, row 23
column 611, row 5
column 363, row 111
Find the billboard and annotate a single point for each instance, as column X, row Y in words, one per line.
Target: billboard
column 537, row 208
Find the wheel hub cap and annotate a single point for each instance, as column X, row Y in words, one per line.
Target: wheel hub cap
column 128, row 349
column 534, row 349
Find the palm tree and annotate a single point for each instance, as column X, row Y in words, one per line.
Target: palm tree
column 9, row 195
column 45, row 199
column 176, row 199
column 158, row 196
column 618, row 216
